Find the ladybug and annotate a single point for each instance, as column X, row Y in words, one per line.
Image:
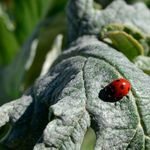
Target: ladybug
column 115, row 91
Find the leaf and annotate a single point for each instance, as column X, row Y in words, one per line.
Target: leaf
column 45, row 32
column 136, row 40
column 46, row 37
column 148, row 44
column 104, row 64
column 125, row 43
column 31, row 12
column 7, row 51
column 56, row 7
column 89, row 140
column 60, row 107
column 134, row 32
column 138, row 17
column 71, row 91
column 143, row 62
column 52, row 54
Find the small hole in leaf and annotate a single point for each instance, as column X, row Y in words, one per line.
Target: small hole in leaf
column 51, row 116
column 103, row 3
column 97, row 5
column 89, row 140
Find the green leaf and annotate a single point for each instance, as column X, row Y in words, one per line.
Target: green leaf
column 7, row 51
column 46, row 38
column 32, row 11
column 56, row 7
column 143, row 62
column 134, row 32
column 135, row 37
column 89, row 140
column 126, row 39
column 17, row 77
column 125, row 43
column 148, row 44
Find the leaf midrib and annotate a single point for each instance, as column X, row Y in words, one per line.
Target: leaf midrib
column 133, row 91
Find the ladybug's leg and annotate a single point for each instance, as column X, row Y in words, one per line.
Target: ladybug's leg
column 102, row 86
column 115, row 103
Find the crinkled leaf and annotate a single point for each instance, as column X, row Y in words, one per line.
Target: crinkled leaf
column 102, row 66
column 136, row 16
column 71, row 91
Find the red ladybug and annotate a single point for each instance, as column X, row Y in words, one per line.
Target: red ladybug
column 115, row 91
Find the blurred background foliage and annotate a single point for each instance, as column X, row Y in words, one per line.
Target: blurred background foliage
column 29, row 30
column 32, row 34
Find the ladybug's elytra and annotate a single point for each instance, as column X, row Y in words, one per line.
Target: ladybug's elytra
column 115, row 91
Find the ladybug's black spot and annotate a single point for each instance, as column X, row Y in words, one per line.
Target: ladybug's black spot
column 122, row 87
column 118, row 80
